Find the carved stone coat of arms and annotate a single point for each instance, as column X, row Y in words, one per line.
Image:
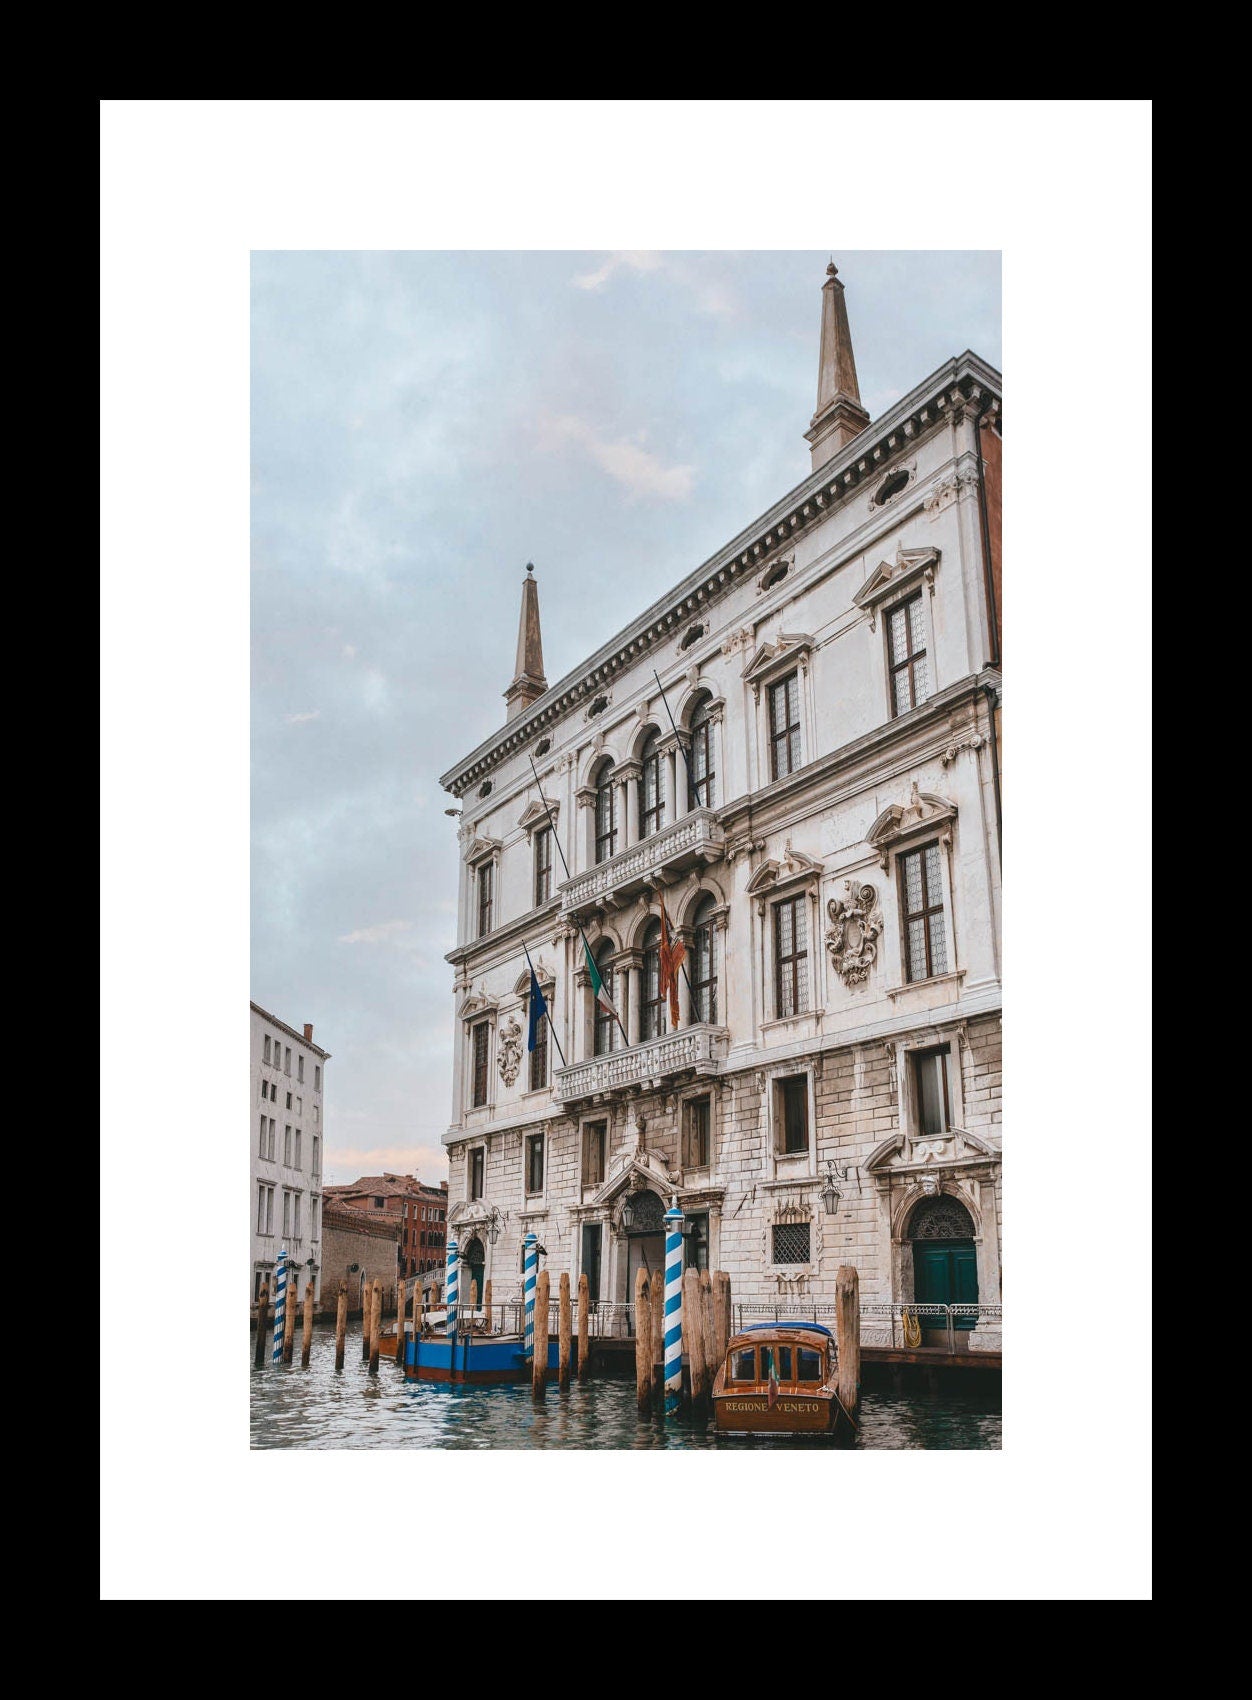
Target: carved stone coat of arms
column 510, row 1058
column 855, row 923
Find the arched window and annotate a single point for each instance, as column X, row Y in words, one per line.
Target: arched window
column 701, row 778
column 704, row 962
column 652, row 1005
column 605, row 1035
column 606, row 814
column 651, row 796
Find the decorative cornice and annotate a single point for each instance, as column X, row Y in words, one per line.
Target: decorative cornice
column 948, row 390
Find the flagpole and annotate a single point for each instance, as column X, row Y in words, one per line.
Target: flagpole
column 682, row 966
column 677, row 735
column 547, row 1012
column 552, row 826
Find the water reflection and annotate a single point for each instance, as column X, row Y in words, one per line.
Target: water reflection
column 317, row 1409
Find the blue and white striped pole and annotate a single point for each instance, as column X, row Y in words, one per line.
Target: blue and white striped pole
column 449, row 1298
column 280, row 1306
column 530, row 1272
column 673, row 1308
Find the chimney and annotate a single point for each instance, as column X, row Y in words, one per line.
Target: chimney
column 308, row 1032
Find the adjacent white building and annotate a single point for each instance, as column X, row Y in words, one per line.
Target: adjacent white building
column 823, row 832
column 287, row 1133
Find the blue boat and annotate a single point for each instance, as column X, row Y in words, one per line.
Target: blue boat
column 473, row 1358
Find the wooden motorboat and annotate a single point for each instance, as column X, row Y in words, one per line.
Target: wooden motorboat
column 779, row 1378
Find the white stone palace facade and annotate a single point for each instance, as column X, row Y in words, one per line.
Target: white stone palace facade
column 287, row 1139
column 824, row 834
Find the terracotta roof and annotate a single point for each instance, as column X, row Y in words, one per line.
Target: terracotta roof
column 378, row 1226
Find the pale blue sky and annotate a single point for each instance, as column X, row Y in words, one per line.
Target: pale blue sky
column 423, row 424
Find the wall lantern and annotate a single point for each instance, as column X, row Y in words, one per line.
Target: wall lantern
column 831, row 1194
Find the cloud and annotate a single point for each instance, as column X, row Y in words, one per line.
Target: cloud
column 638, row 260
column 349, row 652
column 641, row 472
column 383, row 932
column 299, row 719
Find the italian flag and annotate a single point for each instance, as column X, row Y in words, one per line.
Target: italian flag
column 597, row 984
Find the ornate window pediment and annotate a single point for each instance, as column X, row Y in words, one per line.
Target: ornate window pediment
column 639, row 1171
column 910, row 567
column 925, row 813
column 479, row 849
column 543, row 974
column 476, row 1004
column 794, row 867
column 534, row 815
column 788, row 649
column 957, row 1146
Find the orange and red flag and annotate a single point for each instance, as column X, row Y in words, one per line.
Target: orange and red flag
column 673, row 951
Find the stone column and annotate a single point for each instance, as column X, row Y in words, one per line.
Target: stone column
column 583, row 842
column 630, row 976
column 629, row 835
column 668, row 759
column 717, row 750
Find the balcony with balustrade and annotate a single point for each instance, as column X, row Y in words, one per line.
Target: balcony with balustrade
column 696, row 838
column 699, row 1050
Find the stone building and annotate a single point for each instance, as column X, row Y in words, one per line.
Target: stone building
column 423, row 1213
column 358, row 1247
column 823, row 832
column 286, row 1141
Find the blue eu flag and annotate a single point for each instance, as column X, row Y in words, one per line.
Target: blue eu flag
column 538, row 1009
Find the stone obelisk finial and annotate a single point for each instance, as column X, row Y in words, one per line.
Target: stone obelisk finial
column 839, row 416
column 529, row 682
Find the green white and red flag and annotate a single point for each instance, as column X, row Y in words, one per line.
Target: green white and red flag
column 597, row 984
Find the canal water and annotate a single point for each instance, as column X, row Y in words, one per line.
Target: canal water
column 316, row 1409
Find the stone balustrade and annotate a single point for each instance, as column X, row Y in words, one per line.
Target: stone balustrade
column 700, row 1048
column 695, row 838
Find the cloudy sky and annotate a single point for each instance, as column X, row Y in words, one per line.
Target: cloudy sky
column 422, row 425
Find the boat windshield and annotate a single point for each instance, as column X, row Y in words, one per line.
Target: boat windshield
column 743, row 1365
column 810, row 1365
column 777, row 1359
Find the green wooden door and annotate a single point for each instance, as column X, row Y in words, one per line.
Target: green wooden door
column 945, row 1273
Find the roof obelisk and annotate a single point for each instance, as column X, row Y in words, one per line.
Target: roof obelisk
column 529, row 682
column 839, row 416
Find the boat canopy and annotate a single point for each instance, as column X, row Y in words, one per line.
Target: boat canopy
column 786, row 1322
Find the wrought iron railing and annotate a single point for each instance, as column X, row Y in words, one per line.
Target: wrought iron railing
column 880, row 1316
column 695, row 834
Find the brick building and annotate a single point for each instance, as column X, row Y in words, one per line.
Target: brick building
column 823, row 831
column 422, row 1209
column 358, row 1247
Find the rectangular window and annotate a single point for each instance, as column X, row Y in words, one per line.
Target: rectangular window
column 477, row 1162
column 534, row 1163
column 931, row 1099
column 273, row 1091
column 484, row 897
column 315, row 1217
column 288, row 1096
column 543, row 865
column 595, row 1137
column 261, row 1146
column 299, row 1138
column 379, row 1203
column 317, row 1157
column 260, row 1208
column 317, row 1077
column 696, row 1134
column 482, row 1039
column 784, row 726
column 906, row 648
column 296, row 1215
column 791, row 1118
column 606, row 819
column 299, row 1106
column 743, row 1365
column 921, row 900
column 539, row 1057
column 287, row 1063
column 701, row 786
column 300, row 1068
column 591, row 1259
column 286, row 1214
column 265, row 1050
column 287, row 1145
column 791, row 958
column 790, row 1242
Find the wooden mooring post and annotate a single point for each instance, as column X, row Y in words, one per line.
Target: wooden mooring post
column 643, row 1344
column 693, row 1339
column 657, row 1306
column 289, row 1317
column 376, row 1324
column 539, row 1367
column 487, row 1303
column 306, row 1332
column 341, row 1324
column 711, row 1359
column 402, row 1292
column 564, row 1333
column 848, row 1336
column 584, row 1325
column 721, row 1315
column 367, row 1309
column 262, row 1323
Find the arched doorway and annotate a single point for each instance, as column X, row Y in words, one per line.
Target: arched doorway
column 644, row 1227
column 945, row 1266
column 474, row 1258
